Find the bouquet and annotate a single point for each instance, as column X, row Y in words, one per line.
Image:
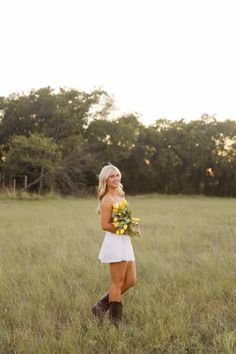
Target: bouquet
column 124, row 222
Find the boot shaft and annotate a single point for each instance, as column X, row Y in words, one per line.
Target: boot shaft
column 115, row 312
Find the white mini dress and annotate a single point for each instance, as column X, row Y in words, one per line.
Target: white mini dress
column 116, row 248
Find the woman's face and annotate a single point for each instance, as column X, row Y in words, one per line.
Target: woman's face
column 113, row 180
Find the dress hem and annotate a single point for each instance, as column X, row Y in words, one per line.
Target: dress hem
column 117, row 261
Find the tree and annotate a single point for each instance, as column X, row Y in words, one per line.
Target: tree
column 61, row 139
column 57, row 115
column 36, row 156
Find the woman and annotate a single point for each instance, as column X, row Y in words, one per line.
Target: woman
column 116, row 250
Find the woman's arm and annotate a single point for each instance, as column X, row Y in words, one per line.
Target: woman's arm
column 106, row 215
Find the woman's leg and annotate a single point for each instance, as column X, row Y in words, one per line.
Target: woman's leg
column 99, row 309
column 118, row 271
column 130, row 276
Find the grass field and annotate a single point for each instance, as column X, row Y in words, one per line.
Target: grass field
column 184, row 300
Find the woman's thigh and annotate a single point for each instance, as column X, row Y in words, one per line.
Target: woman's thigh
column 118, row 271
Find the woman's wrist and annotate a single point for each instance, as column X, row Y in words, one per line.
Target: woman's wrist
column 110, row 228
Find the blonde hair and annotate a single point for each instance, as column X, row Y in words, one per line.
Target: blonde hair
column 102, row 182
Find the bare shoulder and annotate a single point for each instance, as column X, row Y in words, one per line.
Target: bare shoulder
column 106, row 201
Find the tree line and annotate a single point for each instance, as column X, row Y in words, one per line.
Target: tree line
column 60, row 140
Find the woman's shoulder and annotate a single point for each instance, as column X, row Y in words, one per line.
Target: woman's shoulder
column 110, row 199
column 107, row 200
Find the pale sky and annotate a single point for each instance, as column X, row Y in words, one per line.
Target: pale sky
column 161, row 58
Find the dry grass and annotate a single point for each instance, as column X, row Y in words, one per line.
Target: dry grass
column 184, row 301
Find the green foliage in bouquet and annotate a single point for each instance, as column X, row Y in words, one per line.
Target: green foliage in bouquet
column 123, row 220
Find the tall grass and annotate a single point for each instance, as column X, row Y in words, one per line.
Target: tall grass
column 184, row 301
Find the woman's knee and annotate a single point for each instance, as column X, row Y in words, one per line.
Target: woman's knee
column 130, row 283
column 133, row 282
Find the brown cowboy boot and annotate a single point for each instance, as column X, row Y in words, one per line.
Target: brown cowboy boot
column 115, row 312
column 99, row 309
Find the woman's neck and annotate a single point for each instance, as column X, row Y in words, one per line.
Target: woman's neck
column 113, row 192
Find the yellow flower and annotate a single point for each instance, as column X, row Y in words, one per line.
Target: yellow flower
column 115, row 219
column 122, row 231
column 116, row 224
column 122, row 204
column 135, row 219
column 125, row 227
column 117, row 232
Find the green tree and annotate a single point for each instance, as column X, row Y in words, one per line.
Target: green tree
column 36, row 156
column 225, row 158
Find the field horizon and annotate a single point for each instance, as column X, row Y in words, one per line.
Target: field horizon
column 184, row 299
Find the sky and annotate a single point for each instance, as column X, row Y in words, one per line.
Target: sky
column 160, row 58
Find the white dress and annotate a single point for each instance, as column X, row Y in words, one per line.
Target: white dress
column 116, row 248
